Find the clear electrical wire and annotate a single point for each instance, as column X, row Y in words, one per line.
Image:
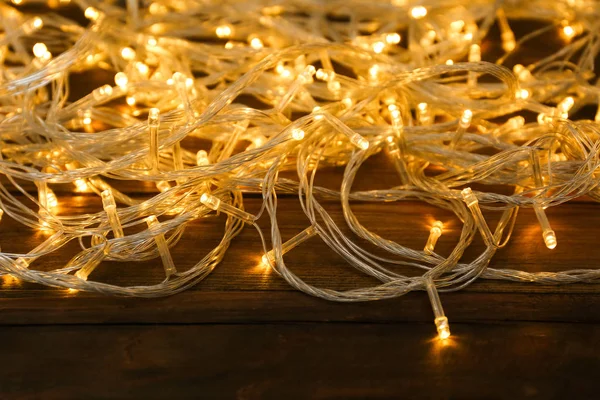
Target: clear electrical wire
column 331, row 87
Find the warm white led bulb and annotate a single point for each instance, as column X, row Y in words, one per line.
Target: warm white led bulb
column 256, row 43
column 202, row 158
column 224, row 31
column 418, row 12
column 297, row 134
column 91, row 13
column 121, row 79
column 128, row 53
column 392, row 38
column 39, row 50
column 378, row 47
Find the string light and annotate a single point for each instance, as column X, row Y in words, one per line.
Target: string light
column 434, row 235
column 413, row 104
column 224, row 31
column 418, row 12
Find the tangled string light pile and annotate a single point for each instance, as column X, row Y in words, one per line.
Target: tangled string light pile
column 333, row 84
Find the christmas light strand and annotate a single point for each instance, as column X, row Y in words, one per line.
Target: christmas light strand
column 333, row 83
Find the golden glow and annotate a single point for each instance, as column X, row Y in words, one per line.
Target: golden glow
column 256, row 43
column 39, row 50
column 128, row 53
column 418, row 12
column 37, row 23
column 121, row 79
column 392, row 38
column 91, row 13
column 224, row 31
column 297, row 134
column 434, row 234
column 568, row 32
column 378, row 47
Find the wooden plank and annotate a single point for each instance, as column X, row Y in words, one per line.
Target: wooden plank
column 248, row 307
column 317, row 361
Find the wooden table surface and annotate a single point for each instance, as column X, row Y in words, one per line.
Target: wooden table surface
column 244, row 333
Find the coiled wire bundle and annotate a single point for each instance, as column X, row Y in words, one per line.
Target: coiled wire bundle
column 332, row 84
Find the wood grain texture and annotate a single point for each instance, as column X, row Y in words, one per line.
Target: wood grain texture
column 300, row 361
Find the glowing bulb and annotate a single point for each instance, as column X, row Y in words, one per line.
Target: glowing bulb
column 163, row 247
column 473, row 203
column 157, row 9
column 374, row 73
column 522, row 94
column 434, row 234
column 142, row 68
column 284, row 72
column 39, row 50
column 256, row 43
column 202, row 158
column 152, row 42
column 457, row 25
column 121, row 80
column 17, row 2
column 91, row 13
column 441, row 321
column 392, row 38
column 224, row 31
column 359, row 141
column 418, row 12
column 564, row 106
column 128, row 53
column 463, row 125
column 443, row 327
column 297, row 134
column 423, row 114
column 102, row 92
column 378, row 47
column 265, row 260
column 130, row 100
column 317, row 110
column 51, row 199
column 508, row 41
column 80, row 186
column 522, row 73
column 269, row 258
column 325, row 75
column 474, row 56
column 110, row 207
column 547, row 233
column 163, row 186
column 449, row 62
column 568, row 31
column 87, row 117
column 215, row 204
column 465, row 119
column 37, row 23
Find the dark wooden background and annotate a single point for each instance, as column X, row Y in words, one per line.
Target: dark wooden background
column 244, row 333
